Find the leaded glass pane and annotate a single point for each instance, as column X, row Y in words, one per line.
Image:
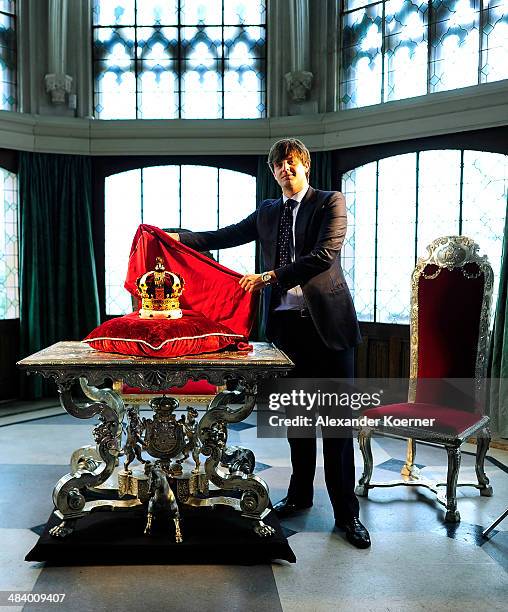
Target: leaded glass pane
column 9, row 264
column 350, row 5
column 157, row 43
column 157, row 48
column 485, row 198
column 359, row 249
column 200, row 12
column 361, row 56
column 157, row 12
column 122, row 217
column 454, row 44
column 395, row 237
column 8, row 6
column 113, row 12
column 201, row 83
column 495, row 41
column 244, row 11
column 202, row 46
column 405, row 61
column 237, row 197
column 115, row 83
column 243, row 77
column 115, row 97
column 199, row 198
column 161, row 196
column 201, row 96
column 158, row 90
column 438, row 196
column 202, row 67
column 8, row 57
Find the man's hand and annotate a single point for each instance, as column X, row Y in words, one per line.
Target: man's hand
column 174, row 236
column 253, row 282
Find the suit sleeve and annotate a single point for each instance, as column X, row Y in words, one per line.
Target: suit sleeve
column 233, row 235
column 328, row 244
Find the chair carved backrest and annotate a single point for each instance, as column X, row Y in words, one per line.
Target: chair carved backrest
column 451, row 294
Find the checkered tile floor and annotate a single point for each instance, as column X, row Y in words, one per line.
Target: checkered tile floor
column 416, row 561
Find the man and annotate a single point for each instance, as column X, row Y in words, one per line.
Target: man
column 311, row 316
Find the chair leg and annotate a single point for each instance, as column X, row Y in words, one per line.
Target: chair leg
column 482, row 446
column 452, row 514
column 362, row 489
column 409, row 469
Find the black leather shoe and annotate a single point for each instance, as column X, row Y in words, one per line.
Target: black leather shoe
column 286, row 508
column 356, row 533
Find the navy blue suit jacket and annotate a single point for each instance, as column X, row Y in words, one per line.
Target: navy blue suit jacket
column 320, row 230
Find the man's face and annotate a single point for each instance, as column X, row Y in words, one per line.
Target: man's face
column 290, row 173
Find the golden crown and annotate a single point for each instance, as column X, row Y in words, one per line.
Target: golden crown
column 159, row 291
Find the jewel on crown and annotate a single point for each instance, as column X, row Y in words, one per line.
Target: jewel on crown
column 159, row 291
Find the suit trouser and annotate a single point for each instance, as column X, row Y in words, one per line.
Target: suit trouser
column 298, row 338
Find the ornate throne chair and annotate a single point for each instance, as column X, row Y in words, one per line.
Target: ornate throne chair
column 450, row 306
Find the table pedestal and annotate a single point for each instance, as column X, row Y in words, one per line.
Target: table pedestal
column 163, row 443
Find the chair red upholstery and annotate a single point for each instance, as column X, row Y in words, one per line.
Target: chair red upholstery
column 450, row 306
column 448, row 420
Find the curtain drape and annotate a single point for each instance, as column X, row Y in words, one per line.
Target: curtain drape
column 58, row 285
column 498, row 390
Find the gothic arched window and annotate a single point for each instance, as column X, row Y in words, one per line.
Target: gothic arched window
column 170, row 197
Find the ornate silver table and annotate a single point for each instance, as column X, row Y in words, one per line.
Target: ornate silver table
column 229, row 469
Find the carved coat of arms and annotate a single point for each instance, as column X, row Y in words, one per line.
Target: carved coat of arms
column 164, row 435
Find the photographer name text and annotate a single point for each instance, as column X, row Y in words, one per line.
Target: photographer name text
column 326, row 421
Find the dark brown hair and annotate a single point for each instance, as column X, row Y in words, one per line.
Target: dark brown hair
column 285, row 148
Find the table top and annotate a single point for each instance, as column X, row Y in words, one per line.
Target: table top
column 68, row 360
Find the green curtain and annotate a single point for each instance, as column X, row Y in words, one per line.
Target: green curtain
column 498, row 391
column 58, row 284
column 266, row 188
column 321, row 174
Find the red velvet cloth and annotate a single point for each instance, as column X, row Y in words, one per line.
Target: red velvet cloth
column 210, row 288
column 449, row 308
column 448, row 420
column 191, row 335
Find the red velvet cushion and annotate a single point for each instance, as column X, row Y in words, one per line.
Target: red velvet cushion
column 449, row 308
column 192, row 387
column 191, row 335
column 448, row 420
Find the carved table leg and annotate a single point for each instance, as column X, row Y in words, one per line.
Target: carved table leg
column 212, row 432
column 107, row 396
column 88, row 471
